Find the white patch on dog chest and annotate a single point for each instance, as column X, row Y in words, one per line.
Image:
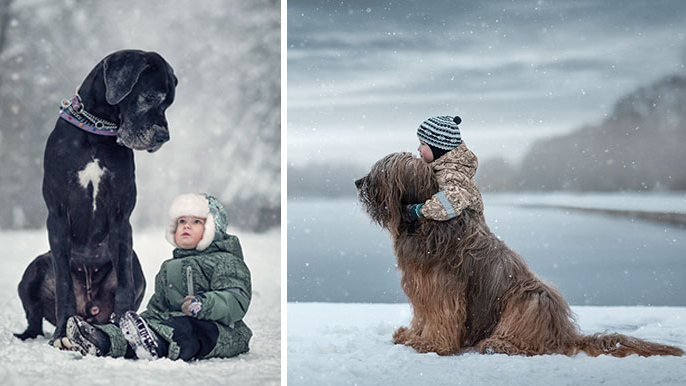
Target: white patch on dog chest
column 92, row 174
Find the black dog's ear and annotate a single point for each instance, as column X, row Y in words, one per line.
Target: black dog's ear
column 170, row 72
column 121, row 71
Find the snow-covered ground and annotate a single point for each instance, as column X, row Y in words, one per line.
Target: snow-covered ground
column 35, row 363
column 350, row 344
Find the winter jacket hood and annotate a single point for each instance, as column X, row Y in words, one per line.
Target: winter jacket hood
column 460, row 158
column 220, row 279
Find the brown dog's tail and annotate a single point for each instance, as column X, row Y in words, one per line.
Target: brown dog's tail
column 619, row 345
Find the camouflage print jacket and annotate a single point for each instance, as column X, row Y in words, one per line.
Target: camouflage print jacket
column 454, row 172
column 219, row 277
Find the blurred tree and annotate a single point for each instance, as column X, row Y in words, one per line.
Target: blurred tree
column 4, row 21
column 640, row 146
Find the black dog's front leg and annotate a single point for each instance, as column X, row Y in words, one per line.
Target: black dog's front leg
column 123, row 263
column 65, row 302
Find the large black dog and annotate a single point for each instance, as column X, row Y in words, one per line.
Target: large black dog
column 88, row 182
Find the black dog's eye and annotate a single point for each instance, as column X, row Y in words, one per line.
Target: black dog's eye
column 146, row 98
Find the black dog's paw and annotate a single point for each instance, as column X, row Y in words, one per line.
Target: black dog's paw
column 28, row 334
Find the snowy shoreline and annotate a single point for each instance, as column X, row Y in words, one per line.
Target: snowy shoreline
column 669, row 218
column 654, row 202
column 351, row 344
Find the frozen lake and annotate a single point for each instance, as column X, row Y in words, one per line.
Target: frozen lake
column 335, row 253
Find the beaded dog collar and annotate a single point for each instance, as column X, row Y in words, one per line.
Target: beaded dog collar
column 73, row 112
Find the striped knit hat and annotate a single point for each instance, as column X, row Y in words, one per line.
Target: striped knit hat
column 441, row 133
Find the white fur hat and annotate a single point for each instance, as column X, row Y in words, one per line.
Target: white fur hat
column 197, row 205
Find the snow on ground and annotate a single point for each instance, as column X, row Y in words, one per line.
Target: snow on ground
column 351, row 344
column 661, row 202
column 36, row 363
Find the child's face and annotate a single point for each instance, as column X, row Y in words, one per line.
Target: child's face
column 425, row 152
column 189, row 231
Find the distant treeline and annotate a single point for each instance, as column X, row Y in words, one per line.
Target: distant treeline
column 640, row 146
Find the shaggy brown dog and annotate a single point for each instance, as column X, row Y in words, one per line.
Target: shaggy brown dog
column 469, row 291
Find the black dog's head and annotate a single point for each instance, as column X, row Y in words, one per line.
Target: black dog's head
column 394, row 181
column 139, row 87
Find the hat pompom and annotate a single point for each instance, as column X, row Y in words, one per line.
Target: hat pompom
column 457, row 120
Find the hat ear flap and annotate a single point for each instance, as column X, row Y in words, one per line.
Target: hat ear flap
column 171, row 233
column 208, row 234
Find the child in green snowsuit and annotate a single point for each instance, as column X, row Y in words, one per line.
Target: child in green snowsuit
column 201, row 295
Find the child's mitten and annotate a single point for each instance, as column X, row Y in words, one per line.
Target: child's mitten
column 412, row 212
column 191, row 306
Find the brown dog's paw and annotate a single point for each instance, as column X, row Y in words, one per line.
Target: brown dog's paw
column 498, row 346
column 426, row 347
column 400, row 336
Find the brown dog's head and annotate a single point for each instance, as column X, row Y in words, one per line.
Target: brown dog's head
column 394, row 181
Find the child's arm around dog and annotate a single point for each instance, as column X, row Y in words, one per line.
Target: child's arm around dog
column 454, row 172
column 454, row 166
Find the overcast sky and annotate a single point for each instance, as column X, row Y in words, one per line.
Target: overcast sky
column 362, row 75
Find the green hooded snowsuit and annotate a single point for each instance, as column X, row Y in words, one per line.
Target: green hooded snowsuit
column 220, row 277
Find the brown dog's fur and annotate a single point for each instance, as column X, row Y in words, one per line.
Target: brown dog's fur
column 469, row 291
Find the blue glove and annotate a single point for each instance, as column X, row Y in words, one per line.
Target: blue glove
column 413, row 211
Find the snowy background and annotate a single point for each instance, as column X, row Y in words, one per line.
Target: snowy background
column 577, row 112
column 35, row 363
column 225, row 122
column 553, row 95
column 225, row 127
column 363, row 75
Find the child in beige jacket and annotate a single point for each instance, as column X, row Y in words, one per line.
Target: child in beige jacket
column 454, row 166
